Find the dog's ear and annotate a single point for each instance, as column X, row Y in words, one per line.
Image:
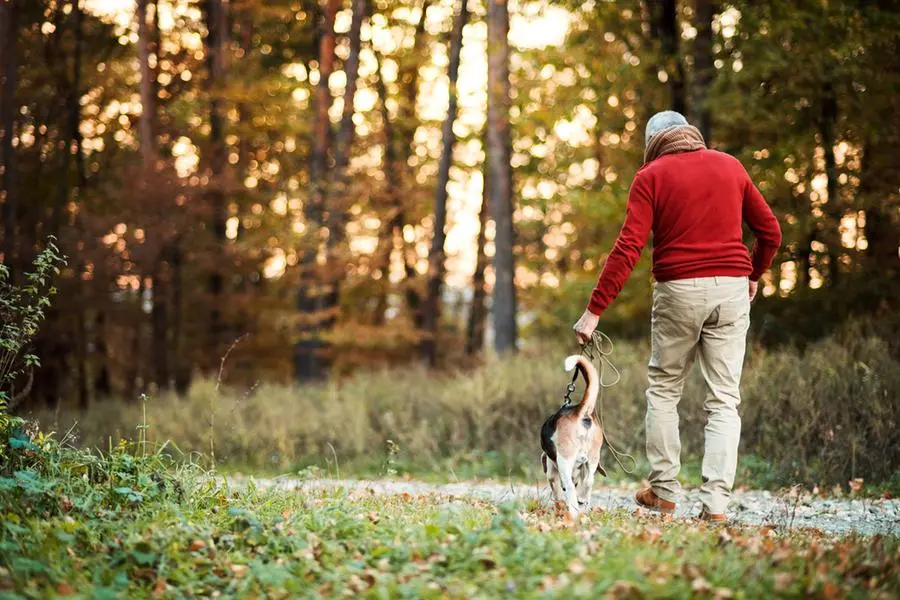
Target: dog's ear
column 601, row 470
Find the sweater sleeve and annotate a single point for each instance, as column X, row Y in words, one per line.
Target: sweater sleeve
column 631, row 241
column 765, row 228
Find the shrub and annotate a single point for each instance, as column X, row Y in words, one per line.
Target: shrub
column 825, row 416
column 21, row 312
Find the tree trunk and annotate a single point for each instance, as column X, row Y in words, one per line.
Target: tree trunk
column 478, row 312
column 409, row 77
column 216, row 41
column 436, row 257
column 499, row 152
column 337, row 215
column 833, row 209
column 328, row 303
column 394, row 218
column 308, row 360
column 102, row 381
column 148, row 91
column 671, row 34
column 8, row 111
column 181, row 363
column 704, row 70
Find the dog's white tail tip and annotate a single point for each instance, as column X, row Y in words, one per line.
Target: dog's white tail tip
column 570, row 362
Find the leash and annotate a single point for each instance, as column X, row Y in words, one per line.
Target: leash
column 599, row 348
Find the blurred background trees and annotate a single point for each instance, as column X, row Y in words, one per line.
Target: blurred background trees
column 289, row 169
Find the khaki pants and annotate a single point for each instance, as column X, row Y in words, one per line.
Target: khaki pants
column 705, row 318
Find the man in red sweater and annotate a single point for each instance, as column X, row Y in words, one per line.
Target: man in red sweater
column 694, row 201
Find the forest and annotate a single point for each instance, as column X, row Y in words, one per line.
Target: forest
column 286, row 287
column 328, row 188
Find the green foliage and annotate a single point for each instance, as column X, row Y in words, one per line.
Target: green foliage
column 218, row 540
column 825, row 415
column 22, row 309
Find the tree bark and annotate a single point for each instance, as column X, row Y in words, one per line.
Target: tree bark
column 409, row 78
column 499, row 152
column 308, row 360
column 833, row 209
column 216, row 41
column 8, row 111
column 704, row 69
column 478, row 312
column 671, row 34
column 148, row 91
column 436, row 257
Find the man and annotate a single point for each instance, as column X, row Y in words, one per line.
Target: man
column 694, row 200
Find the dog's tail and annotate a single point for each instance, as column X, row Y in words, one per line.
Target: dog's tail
column 591, row 379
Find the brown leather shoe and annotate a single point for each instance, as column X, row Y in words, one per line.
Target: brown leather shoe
column 648, row 499
column 712, row 517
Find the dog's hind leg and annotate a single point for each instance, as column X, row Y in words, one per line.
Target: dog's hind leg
column 553, row 479
column 585, row 485
column 566, row 472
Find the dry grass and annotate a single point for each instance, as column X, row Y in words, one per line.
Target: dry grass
column 825, row 416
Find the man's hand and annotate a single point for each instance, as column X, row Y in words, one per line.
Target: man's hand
column 754, row 286
column 585, row 326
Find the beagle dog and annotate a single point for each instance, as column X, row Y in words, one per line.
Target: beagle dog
column 571, row 439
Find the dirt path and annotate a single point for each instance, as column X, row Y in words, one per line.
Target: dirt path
column 865, row 516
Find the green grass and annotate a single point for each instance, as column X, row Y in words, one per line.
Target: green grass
column 133, row 523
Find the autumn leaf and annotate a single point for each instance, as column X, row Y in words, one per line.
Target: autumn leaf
column 856, row 485
column 783, row 581
column 700, row 585
column 197, row 545
column 576, row 567
column 64, row 589
column 239, row 570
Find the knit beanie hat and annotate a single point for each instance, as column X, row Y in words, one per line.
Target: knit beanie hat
column 666, row 119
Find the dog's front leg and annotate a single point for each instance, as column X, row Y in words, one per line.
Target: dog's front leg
column 566, row 470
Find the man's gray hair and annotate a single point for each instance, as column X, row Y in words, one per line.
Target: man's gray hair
column 661, row 121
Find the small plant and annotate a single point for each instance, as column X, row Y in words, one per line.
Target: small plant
column 22, row 308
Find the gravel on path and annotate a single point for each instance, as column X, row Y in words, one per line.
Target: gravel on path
column 866, row 516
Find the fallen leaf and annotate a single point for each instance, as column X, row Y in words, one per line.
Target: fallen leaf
column 831, row 590
column 622, row 589
column 724, row 537
column 856, row 484
column 373, row 516
column 722, row 594
column 576, row 567
column 64, row 589
column 783, row 581
column 700, row 585
column 239, row 570
column 197, row 545
column 650, row 534
column 543, row 527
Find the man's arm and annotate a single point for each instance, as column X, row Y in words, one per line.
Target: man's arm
column 631, row 241
column 765, row 228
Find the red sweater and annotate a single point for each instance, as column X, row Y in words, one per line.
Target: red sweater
column 694, row 202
